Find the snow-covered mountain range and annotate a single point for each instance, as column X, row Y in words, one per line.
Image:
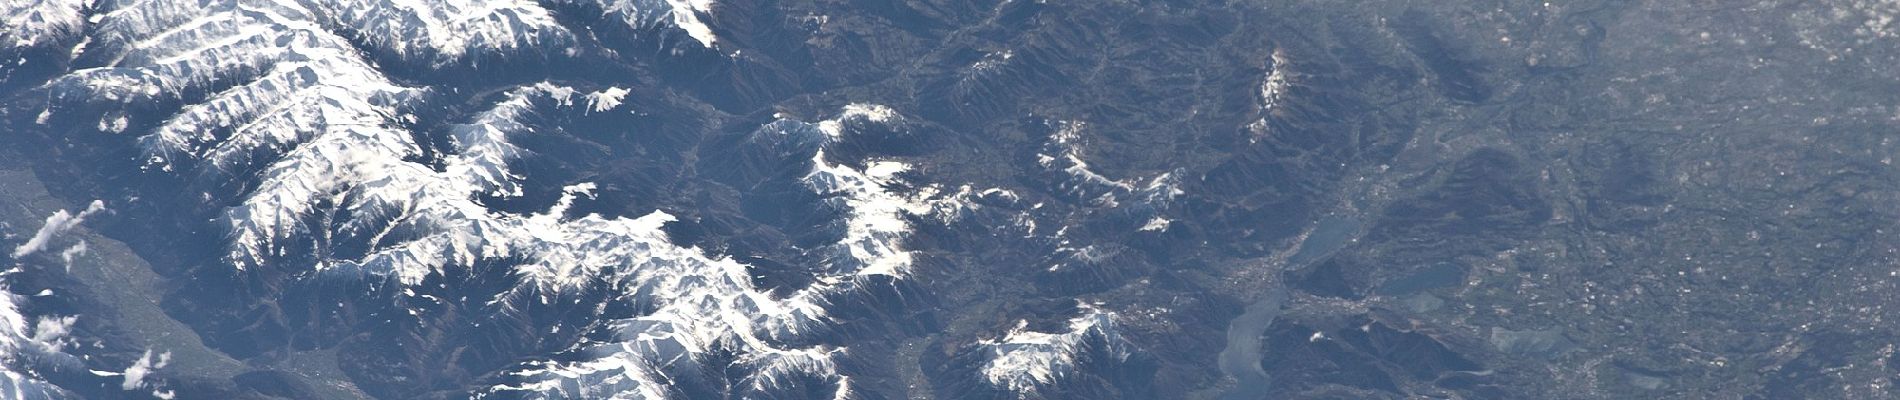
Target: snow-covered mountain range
column 992, row 199
column 286, row 128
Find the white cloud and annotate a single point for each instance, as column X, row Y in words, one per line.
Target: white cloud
column 56, row 224
column 71, row 253
column 135, row 374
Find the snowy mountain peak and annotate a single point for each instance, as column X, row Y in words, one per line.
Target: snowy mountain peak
column 1063, row 155
column 703, row 305
column 1025, row 362
column 687, row 16
column 34, row 23
column 443, row 31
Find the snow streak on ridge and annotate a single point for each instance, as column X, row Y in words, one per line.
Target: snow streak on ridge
column 1025, row 362
column 1063, row 154
column 23, row 343
column 311, row 147
column 295, row 103
column 1274, row 91
column 655, row 14
column 704, row 306
column 447, row 30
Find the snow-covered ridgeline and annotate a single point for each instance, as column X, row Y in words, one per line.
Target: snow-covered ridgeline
column 698, row 303
column 294, row 103
column 26, row 341
column 1273, row 90
column 33, row 23
column 19, row 335
column 1279, row 84
column 415, row 220
column 875, row 222
column 161, row 50
column 1025, row 362
column 876, row 218
column 704, row 306
column 1063, row 154
column 338, row 182
column 685, row 15
column 425, row 32
column 289, row 97
column 607, row 99
column 442, row 31
column 857, row 113
column 312, row 117
column 293, row 81
column 482, row 148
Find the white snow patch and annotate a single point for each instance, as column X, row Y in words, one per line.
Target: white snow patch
column 686, row 17
column 1024, row 361
column 1274, row 90
column 875, row 221
column 873, row 113
column 443, row 31
column 32, row 23
column 43, row 339
column 115, row 124
column 702, row 303
column 1156, row 224
column 1063, row 154
column 329, row 127
column 604, row 100
column 683, row 15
